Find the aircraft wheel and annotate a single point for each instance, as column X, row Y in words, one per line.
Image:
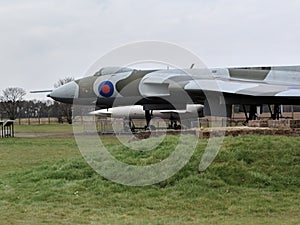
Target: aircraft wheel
column 152, row 127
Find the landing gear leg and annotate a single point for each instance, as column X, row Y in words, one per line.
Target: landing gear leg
column 174, row 126
column 252, row 114
column 174, row 123
column 246, row 115
column 277, row 112
column 148, row 117
column 131, row 126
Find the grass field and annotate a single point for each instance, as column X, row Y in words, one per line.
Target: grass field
column 254, row 180
column 44, row 128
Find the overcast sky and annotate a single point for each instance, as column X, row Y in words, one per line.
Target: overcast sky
column 43, row 41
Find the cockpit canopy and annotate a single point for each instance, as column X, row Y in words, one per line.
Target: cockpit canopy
column 112, row 70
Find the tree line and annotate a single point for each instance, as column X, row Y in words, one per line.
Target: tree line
column 13, row 105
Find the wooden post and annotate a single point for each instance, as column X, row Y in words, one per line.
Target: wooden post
column 13, row 129
column 1, row 129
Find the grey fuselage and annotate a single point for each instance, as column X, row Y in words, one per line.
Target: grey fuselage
column 164, row 89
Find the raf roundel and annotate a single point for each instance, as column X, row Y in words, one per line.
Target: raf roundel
column 106, row 89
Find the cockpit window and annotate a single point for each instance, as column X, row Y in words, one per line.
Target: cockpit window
column 112, row 70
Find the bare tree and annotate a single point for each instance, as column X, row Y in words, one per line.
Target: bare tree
column 63, row 81
column 64, row 110
column 11, row 101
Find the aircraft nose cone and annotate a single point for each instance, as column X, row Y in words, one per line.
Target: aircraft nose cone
column 65, row 93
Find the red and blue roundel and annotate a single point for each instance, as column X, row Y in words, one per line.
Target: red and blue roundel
column 106, row 89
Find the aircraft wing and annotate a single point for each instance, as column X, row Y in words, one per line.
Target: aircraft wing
column 276, row 82
column 244, row 88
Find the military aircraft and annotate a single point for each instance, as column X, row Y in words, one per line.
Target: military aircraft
column 168, row 89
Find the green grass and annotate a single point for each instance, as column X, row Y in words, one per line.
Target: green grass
column 22, row 153
column 44, row 128
column 254, row 180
